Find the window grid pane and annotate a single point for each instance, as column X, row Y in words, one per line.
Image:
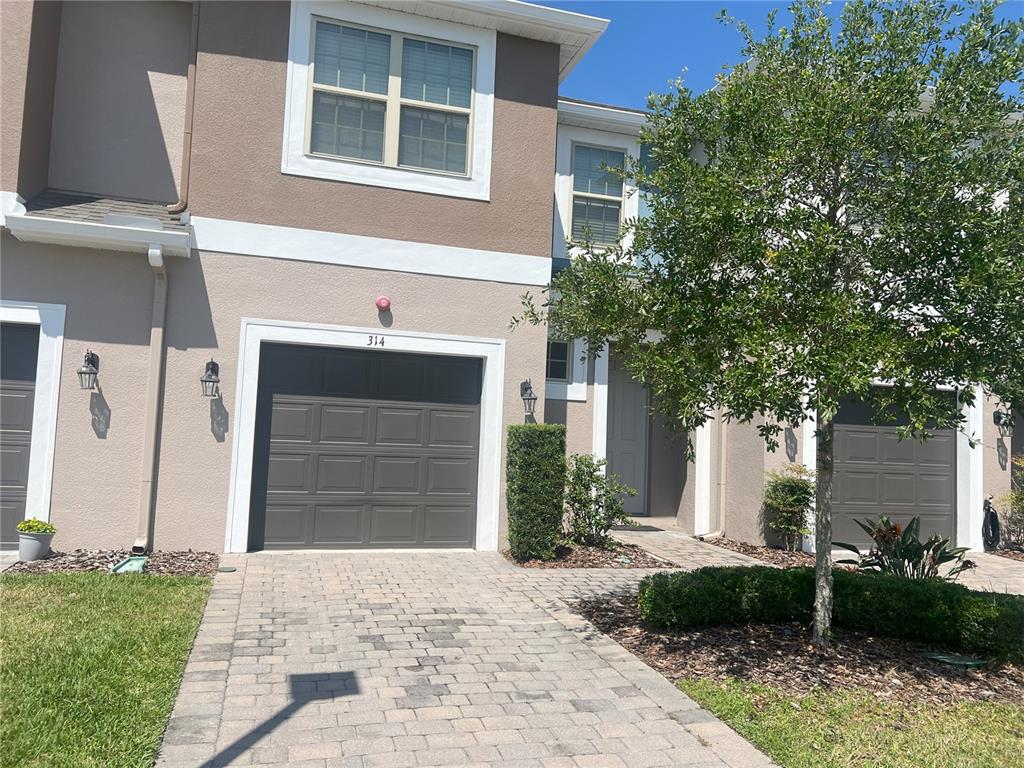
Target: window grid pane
column 345, row 57
column 592, row 171
column 432, row 140
column 347, row 127
column 440, row 74
column 598, row 218
column 558, row 360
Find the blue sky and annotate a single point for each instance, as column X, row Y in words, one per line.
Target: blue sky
column 648, row 44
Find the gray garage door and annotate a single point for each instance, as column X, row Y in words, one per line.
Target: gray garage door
column 366, row 448
column 877, row 474
column 19, row 347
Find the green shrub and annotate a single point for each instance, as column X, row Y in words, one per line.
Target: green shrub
column 32, row 525
column 787, row 503
column 934, row 612
column 535, row 484
column 593, row 501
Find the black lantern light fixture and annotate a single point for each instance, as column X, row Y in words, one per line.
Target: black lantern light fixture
column 89, row 370
column 211, row 380
column 1004, row 422
column 529, row 397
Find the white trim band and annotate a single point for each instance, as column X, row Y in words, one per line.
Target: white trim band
column 314, row 245
column 50, row 319
column 255, row 332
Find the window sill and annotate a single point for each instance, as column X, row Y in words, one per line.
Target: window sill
column 374, row 175
column 561, row 390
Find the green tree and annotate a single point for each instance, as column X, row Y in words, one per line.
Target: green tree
column 846, row 207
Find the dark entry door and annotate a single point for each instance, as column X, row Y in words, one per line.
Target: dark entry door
column 19, row 348
column 365, row 449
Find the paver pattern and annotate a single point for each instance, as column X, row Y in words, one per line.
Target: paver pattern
column 994, row 574
column 426, row 659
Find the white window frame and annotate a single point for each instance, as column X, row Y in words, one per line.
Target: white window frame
column 568, row 137
column 50, row 319
column 620, row 199
column 575, row 387
column 296, row 158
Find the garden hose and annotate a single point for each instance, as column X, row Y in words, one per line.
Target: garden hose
column 990, row 527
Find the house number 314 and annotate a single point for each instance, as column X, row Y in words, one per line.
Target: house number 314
column 375, row 341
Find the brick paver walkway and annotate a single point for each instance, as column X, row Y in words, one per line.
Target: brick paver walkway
column 445, row 659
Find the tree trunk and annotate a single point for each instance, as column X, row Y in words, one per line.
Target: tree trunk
column 823, row 532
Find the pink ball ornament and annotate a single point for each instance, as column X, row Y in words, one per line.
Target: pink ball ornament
column 383, row 303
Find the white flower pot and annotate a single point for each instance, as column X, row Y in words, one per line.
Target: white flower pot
column 33, row 546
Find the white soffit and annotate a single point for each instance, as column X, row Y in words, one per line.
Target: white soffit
column 574, row 33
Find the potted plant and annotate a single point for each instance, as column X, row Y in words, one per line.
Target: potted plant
column 34, row 537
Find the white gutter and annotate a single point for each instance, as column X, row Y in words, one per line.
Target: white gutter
column 127, row 236
column 601, row 117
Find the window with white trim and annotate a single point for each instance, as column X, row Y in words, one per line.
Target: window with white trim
column 596, row 194
column 558, row 361
column 390, row 99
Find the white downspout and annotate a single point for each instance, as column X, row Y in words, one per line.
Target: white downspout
column 154, row 398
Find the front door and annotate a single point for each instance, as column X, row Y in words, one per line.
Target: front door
column 627, row 432
column 19, row 348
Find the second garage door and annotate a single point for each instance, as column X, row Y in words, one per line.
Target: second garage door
column 367, row 448
column 877, row 474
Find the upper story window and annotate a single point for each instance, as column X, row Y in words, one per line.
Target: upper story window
column 596, row 194
column 389, row 98
column 558, row 361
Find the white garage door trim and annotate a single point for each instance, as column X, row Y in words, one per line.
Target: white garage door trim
column 970, row 497
column 50, row 319
column 254, row 332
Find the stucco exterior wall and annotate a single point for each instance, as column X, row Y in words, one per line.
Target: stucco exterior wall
column 119, row 106
column 999, row 451
column 29, row 34
column 236, row 160
column 108, row 298
column 98, row 453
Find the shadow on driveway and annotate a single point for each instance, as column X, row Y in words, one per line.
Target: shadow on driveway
column 304, row 689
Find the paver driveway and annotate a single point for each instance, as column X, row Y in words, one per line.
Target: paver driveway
column 384, row 659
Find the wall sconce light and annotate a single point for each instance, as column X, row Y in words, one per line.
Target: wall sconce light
column 210, row 380
column 89, row 370
column 529, row 398
column 1004, row 421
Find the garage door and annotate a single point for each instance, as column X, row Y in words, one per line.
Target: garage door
column 877, row 474
column 365, row 448
column 19, row 347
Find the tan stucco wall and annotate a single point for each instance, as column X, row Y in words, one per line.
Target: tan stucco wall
column 29, row 33
column 96, row 480
column 998, row 452
column 119, row 108
column 236, row 160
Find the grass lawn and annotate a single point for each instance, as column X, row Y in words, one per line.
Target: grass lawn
column 90, row 665
column 846, row 729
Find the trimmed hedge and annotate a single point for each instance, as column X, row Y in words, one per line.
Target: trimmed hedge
column 535, row 485
column 938, row 612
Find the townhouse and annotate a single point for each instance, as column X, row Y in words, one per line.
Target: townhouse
column 258, row 265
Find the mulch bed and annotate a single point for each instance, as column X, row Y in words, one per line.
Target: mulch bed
column 618, row 556
column 782, row 656
column 780, row 557
column 1010, row 554
column 187, row 563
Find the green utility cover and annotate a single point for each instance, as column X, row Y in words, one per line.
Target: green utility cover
column 130, row 565
column 955, row 659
